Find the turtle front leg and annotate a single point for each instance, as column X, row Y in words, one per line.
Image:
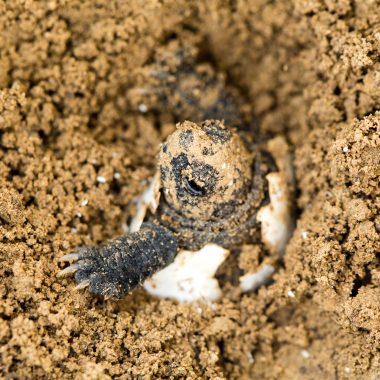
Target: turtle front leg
column 125, row 263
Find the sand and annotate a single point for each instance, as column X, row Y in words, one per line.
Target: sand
column 75, row 152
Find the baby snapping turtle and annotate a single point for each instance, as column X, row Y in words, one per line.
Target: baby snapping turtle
column 211, row 187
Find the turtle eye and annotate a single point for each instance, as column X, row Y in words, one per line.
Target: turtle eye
column 193, row 188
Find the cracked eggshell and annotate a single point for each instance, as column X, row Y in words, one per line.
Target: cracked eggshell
column 190, row 277
column 276, row 218
column 253, row 281
column 149, row 200
column 277, row 222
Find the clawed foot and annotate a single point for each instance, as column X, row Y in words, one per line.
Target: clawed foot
column 124, row 264
column 92, row 272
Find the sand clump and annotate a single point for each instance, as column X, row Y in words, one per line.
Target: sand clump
column 75, row 154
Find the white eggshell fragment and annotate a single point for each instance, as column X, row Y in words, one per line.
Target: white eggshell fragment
column 276, row 218
column 190, row 277
column 252, row 281
column 277, row 222
column 148, row 200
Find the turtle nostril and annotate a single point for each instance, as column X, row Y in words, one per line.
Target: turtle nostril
column 193, row 188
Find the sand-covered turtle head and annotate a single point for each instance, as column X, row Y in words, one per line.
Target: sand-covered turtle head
column 205, row 169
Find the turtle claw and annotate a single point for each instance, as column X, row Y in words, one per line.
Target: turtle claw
column 70, row 257
column 83, row 285
column 70, row 269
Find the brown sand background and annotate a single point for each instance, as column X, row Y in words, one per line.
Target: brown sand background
column 311, row 69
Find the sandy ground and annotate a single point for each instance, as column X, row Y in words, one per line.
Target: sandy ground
column 311, row 71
